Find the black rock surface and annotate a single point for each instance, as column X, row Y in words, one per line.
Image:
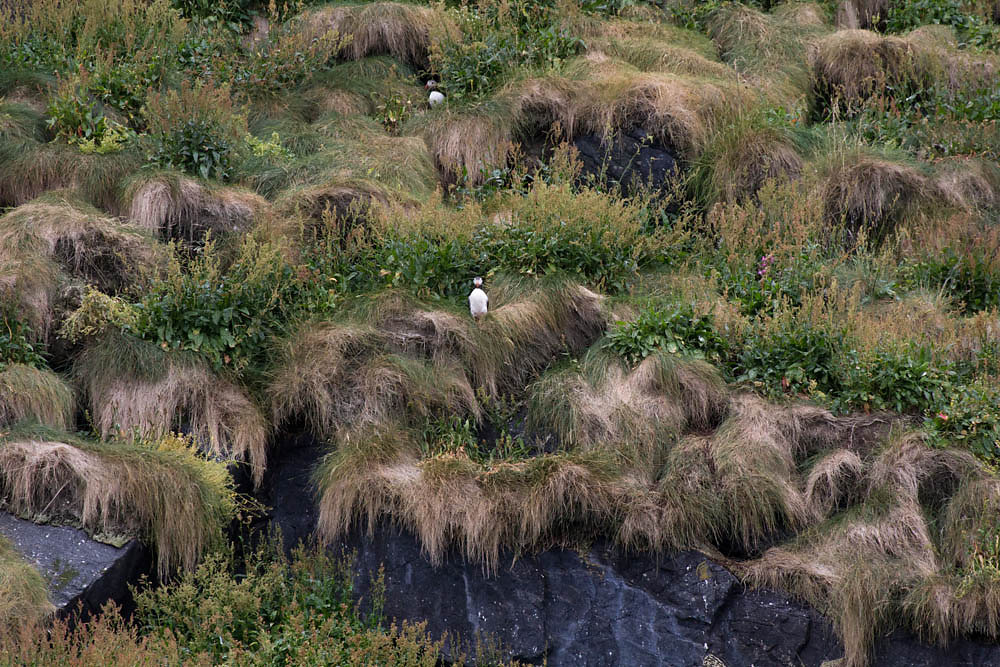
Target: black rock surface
column 83, row 573
column 630, row 158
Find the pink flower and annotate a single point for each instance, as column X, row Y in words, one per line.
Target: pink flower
column 942, row 416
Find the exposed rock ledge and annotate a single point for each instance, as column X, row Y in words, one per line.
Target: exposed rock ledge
column 82, row 573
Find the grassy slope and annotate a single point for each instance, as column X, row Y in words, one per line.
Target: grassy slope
column 835, row 230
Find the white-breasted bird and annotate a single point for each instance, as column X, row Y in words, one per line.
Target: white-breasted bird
column 435, row 97
column 478, row 301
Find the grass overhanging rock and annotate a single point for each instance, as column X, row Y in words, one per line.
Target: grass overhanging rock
column 224, row 223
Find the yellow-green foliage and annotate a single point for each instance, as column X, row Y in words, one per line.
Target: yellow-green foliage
column 23, row 593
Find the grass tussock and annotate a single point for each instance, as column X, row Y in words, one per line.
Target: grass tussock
column 23, row 592
column 176, row 207
column 160, row 490
column 52, row 242
column 638, row 412
column 403, row 31
column 884, row 558
column 29, row 169
column 33, row 394
column 377, row 475
column 867, row 196
column 770, row 51
column 132, row 386
column 357, row 374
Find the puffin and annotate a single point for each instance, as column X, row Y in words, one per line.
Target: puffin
column 478, row 301
column 435, row 97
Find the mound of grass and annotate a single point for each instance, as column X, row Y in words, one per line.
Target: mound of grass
column 160, row 489
column 32, row 394
column 136, row 387
column 55, row 241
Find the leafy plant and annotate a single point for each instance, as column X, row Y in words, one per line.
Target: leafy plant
column 675, row 329
column 800, row 359
column 72, row 115
column 969, row 416
column 454, row 435
column 973, row 30
column 15, row 343
column 970, row 277
column 267, row 609
column 195, row 129
column 228, row 316
column 907, row 380
column 497, row 40
column 393, row 111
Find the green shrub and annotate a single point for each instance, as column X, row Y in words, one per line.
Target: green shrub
column 762, row 287
column 972, row 30
column 72, row 115
column 969, row 416
column 908, row 380
column 16, row 346
column 456, row 435
column 499, row 39
column 969, row 277
column 196, row 147
column 799, row 359
column 675, row 330
column 227, row 315
column 195, row 129
column 264, row 609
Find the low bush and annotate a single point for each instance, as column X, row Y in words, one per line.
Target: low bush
column 674, row 329
column 797, row 360
column 971, row 278
column 16, row 343
column 969, row 416
column 262, row 610
column 195, row 129
column 499, row 39
column 228, row 315
column 972, row 29
column 908, row 380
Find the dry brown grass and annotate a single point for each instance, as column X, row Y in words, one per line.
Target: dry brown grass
column 403, row 31
column 182, row 208
column 377, row 475
column 604, row 406
column 463, row 145
column 851, row 67
column 28, row 169
column 23, row 591
column 28, row 393
column 344, row 378
column 882, row 560
column 46, row 244
column 969, row 183
column 681, row 111
column 854, row 14
column 867, row 196
column 396, row 355
column 131, row 388
column 163, row 492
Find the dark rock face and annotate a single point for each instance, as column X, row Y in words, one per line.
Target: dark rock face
column 630, row 158
column 601, row 608
column 83, row 574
